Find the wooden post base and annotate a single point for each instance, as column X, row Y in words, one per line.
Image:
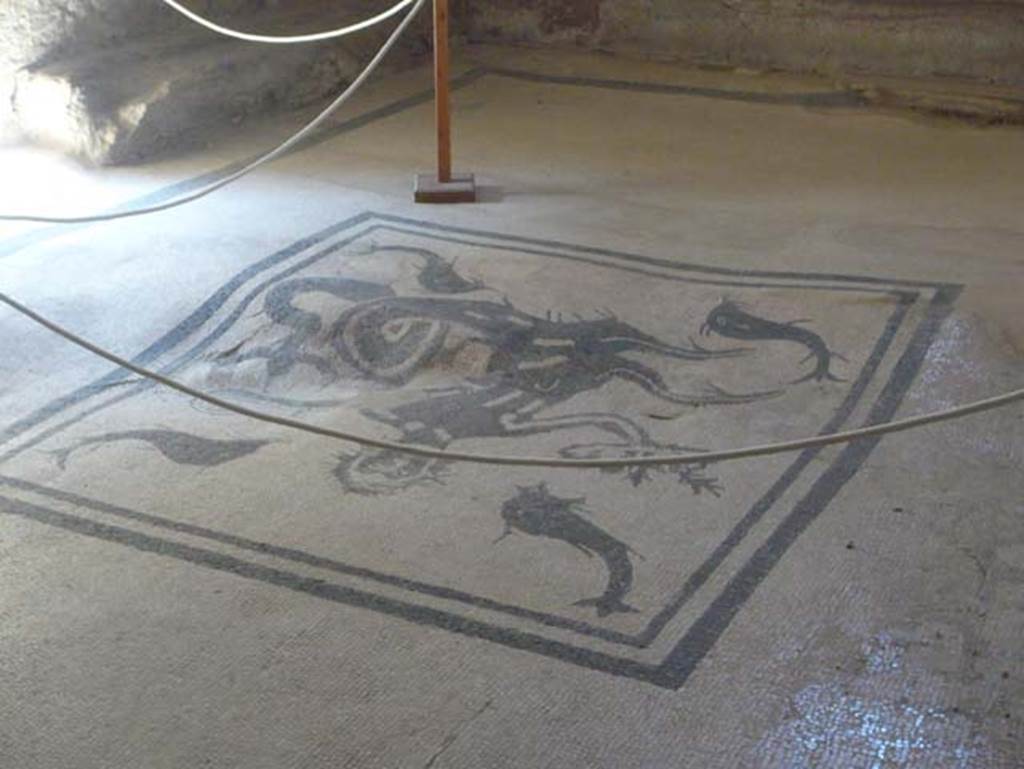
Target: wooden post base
column 461, row 189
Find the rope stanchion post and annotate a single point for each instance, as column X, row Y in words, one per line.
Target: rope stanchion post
column 445, row 187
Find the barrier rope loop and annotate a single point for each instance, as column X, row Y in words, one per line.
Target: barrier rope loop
column 522, row 461
column 424, row 451
column 314, row 37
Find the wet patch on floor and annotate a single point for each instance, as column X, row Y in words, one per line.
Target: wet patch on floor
column 835, row 728
column 884, row 710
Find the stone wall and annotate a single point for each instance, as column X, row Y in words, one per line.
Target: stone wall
column 971, row 39
column 35, row 32
column 68, row 50
column 119, row 81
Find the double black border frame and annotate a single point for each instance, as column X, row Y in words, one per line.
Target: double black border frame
column 679, row 663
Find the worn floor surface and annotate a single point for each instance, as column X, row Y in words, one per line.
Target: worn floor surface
column 663, row 260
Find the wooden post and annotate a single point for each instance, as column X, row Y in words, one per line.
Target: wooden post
column 442, row 96
column 445, row 187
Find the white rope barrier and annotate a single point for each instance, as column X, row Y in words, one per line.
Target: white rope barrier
column 524, row 461
column 289, row 39
column 261, row 161
column 425, row 451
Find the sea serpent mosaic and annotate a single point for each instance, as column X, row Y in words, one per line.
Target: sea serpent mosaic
column 450, row 337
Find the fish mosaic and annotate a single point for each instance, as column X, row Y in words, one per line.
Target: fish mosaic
column 465, row 340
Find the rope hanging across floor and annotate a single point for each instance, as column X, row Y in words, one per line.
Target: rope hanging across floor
column 523, row 461
column 289, row 39
column 423, row 451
